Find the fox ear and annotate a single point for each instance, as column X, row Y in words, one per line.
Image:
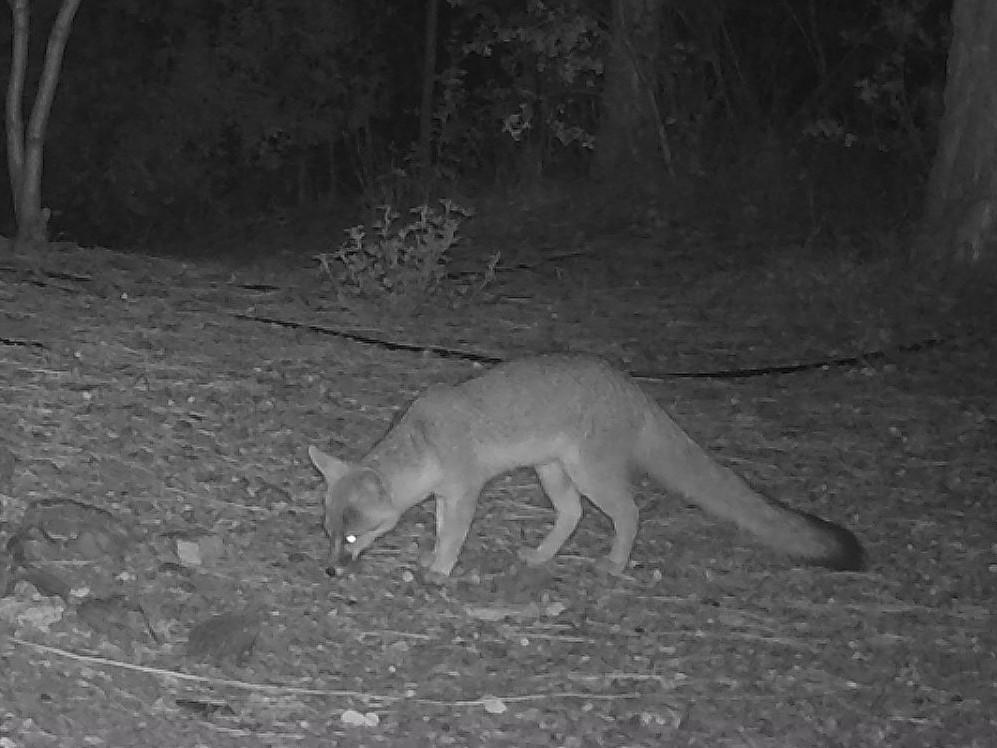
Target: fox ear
column 332, row 468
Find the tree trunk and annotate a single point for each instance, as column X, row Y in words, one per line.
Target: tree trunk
column 15, row 91
column 631, row 135
column 24, row 151
column 428, row 83
column 960, row 223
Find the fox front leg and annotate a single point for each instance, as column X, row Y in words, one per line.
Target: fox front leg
column 454, row 513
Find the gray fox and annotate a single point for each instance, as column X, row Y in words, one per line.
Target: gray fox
column 586, row 429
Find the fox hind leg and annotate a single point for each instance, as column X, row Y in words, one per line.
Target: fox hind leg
column 568, row 507
column 607, row 485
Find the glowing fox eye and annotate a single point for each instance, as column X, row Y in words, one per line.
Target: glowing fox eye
column 351, row 539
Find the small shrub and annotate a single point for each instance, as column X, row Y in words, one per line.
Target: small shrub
column 404, row 261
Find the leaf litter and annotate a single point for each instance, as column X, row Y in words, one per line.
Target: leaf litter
column 172, row 433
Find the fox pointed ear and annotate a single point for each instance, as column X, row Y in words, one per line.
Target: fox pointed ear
column 332, row 468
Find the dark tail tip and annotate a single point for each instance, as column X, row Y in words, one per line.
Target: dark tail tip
column 844, row 551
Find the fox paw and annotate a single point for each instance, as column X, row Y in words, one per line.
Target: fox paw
column 426, row 559
column 436, row 579
column 533, row 556
column 610, row 566
column 431, row 564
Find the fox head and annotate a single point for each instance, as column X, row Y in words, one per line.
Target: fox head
column 358, row 507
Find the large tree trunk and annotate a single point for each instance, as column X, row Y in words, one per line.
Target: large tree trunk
column 630, row 132
column 960, row 225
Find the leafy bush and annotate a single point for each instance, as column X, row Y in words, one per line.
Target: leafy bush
column 403, row 261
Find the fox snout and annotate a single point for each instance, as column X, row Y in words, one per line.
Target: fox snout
column 339, row 556
column 336, row 554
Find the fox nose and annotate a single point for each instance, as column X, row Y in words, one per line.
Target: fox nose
column 339, row 557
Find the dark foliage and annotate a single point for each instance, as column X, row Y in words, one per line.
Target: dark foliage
column 175, row 117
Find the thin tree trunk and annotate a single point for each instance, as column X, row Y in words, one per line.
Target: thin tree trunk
column 15, row 92
column 631, row 135
column 960, row 225
column 428, row 83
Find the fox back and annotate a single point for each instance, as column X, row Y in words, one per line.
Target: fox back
column 522, row 414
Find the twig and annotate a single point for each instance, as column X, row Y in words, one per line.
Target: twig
column 297, row 690
column 484, row 701
column 268, row 687
column 640, row 677
column 400, row 634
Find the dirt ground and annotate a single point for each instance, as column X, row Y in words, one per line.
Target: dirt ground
column 154, row 421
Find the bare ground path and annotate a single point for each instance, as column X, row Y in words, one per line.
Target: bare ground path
column 153, row 466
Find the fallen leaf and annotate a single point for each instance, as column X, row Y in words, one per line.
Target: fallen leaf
column 353, row 718
column 493, row 705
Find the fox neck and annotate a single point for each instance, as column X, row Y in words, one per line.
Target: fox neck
column 404, row 485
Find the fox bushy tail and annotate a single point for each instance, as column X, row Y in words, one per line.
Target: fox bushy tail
column 674, row 460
